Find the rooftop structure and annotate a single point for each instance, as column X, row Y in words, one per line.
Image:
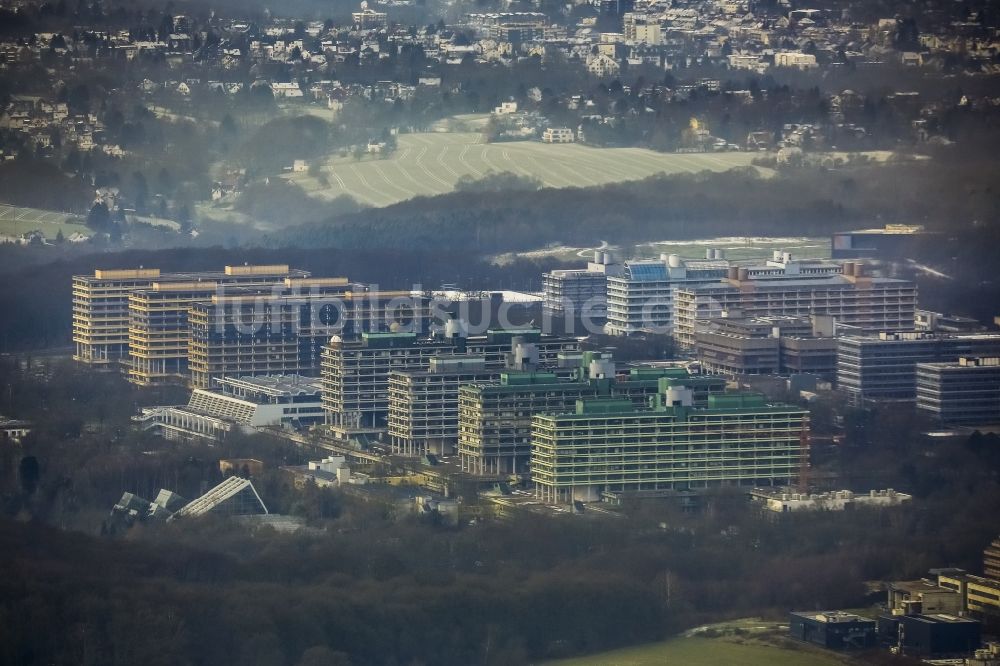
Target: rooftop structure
column 232, row 497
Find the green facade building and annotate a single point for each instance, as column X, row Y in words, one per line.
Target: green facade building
column 609, row 447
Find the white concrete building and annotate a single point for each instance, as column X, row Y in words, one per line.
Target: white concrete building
column 795, row 59
column 641, row 297
column 240, row 404
column 558, row 135
column 781, row 500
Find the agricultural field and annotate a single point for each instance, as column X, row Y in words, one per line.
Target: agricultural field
column 431, row 163
column 15, row 221
column 744, row 643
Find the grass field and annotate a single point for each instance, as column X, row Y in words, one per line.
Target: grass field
column 747, row 642
column 15, row 221
column 705, row 652
column 737, row 248
column 431, row 163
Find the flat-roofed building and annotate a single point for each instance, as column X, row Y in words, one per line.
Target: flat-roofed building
column 966, row 392
column 158, row 330
column 105, row 324
column 239, row 404
column 514, row 27
column 100, row 312
column 284, row 331
column 423, row 404
column 580, row 293
column 883, row 367
column 938, row 322
column 576, row 293
column 369, row 19
column 764, row 345
column 834, row 630
column 931, row 634
column 158, row 316
column 495, row 419
column 916, row 597
column 13, row 431
column 610, row 446
column 641, row 295
column 356, row 370
column 980, row 594
column 558, row 135
column 799, row 290
column 893, row 240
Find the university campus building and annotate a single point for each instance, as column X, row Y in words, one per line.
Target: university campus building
column 790, row 289
column 641, row 295
column 495, row 419
column 883, row 367
column 356, row 370
column 245, row 320
column 238, row 404
column 101, row 303
column 966, row 392
column 607, row 448
column 254, row 333
column 580, row 293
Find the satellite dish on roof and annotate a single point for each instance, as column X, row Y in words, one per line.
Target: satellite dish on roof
column 364, row 4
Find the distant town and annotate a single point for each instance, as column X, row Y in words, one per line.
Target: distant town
column 172, row 123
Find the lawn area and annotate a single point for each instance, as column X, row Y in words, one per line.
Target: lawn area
column 431, row 163
column 707, row 652
column 15, row 221
column 755, row 248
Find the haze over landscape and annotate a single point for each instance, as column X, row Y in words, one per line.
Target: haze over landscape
column 499, row 332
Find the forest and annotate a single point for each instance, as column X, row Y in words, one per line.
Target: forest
column 366, row 585
column 952, row 190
